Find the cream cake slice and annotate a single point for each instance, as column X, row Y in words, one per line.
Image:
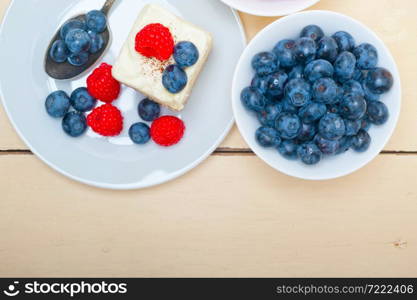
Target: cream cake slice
column 145, row 74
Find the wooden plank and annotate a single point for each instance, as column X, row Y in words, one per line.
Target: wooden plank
column 3, row 7
column 8, row 136
column 393, row 22
column 245, row 220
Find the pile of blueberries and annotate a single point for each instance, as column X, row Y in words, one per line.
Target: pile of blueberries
column 149, row 111
column 71, row 109
column 317, row 95
column 174, row 78
column 78, row 38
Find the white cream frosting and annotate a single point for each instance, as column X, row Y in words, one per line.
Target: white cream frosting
column 145, row 74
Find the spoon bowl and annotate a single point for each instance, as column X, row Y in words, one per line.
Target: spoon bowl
column 64, row 71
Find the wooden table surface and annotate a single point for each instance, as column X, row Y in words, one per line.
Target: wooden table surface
column 233, row 215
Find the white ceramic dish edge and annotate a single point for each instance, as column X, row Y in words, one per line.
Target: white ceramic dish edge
column 268, row 13
column 120, row 186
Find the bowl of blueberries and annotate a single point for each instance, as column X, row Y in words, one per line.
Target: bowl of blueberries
column 316, row 95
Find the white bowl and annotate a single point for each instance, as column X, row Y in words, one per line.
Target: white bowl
column 290, row 27
column 269, row 8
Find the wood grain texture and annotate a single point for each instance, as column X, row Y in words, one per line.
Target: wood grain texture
column 244, row 220
column 231, row 216
column 393, row 21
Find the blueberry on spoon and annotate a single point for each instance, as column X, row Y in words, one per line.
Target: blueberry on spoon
column 71, row 52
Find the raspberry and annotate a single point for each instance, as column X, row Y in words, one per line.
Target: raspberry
column 106, row 120
column 167, row 131
column 155, row 40
column 101, row 84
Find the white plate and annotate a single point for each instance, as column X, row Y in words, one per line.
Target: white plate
column 269, row 8
column 290, row 27
column 114, row 163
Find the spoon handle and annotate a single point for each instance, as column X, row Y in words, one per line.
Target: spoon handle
column 107, row 6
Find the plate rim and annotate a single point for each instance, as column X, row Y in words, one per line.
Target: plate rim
column 130, row 186
column 341, row 174
column 265, row 14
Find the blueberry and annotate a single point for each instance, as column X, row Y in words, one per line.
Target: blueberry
column 366, row 56
column 298, row 92
column 82, row 101
column 332, row 127
column 288, row 125
column 139, row 133
column 265, row 63
column 149, row 110
column 327, row 49
column 358, row 75
column 369, row 95
column 328, row 147
column 352, row 127
column 361, row 141
column 268, row 116
column 267, row 137
column 312, row 31
column 70, row 25
column 334, row 108
column 309, row 153
column 344, row 66
column 260, row 82
column 59, row 51
column 186, row 54
column 317, row 69
column 276, row 83
column 174, row 79
column 379, row 80
column 377, row 112
column 344, row 144
column 296, row 73
column 96, row 21
column 353, row 107
column 340, row 93
column 78, row 40
column 353, row 87
column 325, row 90
column 312, row 112
column 288, row 149
column 344, row 40
column 284, row 51
column 57, row 104
column 288, row 107
column 305, row 50
column 97, row 42
column 272, row 99
column 307, row 133
column 74, row 124
column 253, row 99
column 365, row 124
column 78, row 59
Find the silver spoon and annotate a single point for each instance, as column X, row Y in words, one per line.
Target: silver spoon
column 65, row 70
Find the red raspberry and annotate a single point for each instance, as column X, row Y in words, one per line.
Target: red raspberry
column 106, row 120
column 155, row 40
column 167, row 131
column 101, row 84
